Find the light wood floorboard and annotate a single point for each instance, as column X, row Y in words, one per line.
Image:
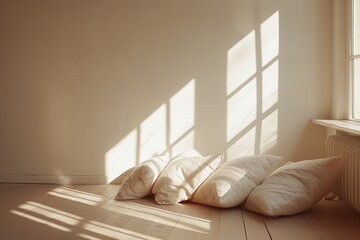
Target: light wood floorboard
column 229, row 227
column 254, row 226
column 35, row 211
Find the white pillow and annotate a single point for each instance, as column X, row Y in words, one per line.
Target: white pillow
column 182, row 177
column 139, row 182
column 295, row 187
column 233, row 181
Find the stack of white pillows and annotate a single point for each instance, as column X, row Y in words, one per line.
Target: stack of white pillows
column 253, row 181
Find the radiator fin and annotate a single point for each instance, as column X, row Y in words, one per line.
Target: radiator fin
column 348, row 184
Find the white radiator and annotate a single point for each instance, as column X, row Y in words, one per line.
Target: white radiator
column 348, row 185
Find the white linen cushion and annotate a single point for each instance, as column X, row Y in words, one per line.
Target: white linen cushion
column 233, row 181
column 295, row 187
column 140, row 182
column 182, row 176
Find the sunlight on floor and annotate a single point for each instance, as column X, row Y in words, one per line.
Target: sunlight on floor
column 161, row 216
column 130, row 214
column 75, row 195
column 43, row 216
column 112, row 231
column 50, row 212
column 40, row 220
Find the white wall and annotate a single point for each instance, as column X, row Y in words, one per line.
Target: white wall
column 90, row 88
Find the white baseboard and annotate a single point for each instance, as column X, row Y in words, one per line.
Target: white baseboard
column 53, row 179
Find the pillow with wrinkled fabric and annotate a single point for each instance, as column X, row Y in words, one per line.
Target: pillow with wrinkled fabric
column 232, row 182
column 181, row 177
column 295, row 187
column 140, row 182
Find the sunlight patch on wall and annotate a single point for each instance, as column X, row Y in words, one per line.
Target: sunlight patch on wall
column 241, row 109
column 122, row 156
column 169, row 130
column 244, row 146
column 270, row 38
column 184, row 143
column 182, row 119
column 153, row 134
column 182, row 111
column 269, row 131
column 270, row 86
column 252, row 91
column 270, row 82
column 241, row 59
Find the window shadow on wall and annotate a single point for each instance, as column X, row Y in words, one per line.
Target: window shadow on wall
column 252, row 91
column 168, row 131
column 252, row 85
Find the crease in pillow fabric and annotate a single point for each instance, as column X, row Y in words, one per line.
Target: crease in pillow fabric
column 139, row 182
column 295, row 187
column 182, row 176
column 230, row 184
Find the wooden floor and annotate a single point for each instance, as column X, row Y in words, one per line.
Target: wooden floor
column 90, row 212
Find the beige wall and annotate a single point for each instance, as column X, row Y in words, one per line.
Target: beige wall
column 90, row 88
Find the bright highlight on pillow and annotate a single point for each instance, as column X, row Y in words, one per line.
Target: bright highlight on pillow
column 140, row 182
column 232, row 182
column 182, row 177
column 295, row 187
